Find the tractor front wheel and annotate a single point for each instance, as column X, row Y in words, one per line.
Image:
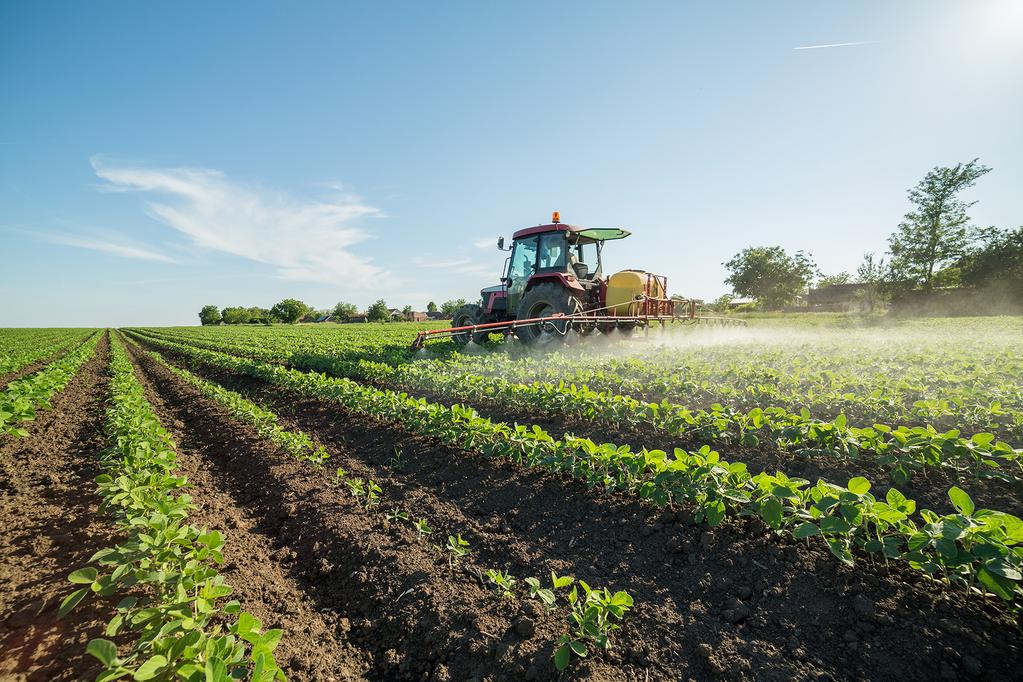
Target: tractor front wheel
column 545, row 300
column 467, row 316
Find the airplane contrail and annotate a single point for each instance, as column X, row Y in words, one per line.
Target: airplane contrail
column 819, row 47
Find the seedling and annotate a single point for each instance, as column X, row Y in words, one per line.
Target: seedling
column 372, row 494
column 339, row 476
column 548, row 595
column 422, row 527
column 591, row 621
column 357, row 487
column 397, row 514
column 456, row 548
column 396, row 462
column 503, row 582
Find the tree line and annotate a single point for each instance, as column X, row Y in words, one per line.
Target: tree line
column 934, row 246
column 292, row 310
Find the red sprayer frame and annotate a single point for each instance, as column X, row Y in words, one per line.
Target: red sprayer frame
column 648, row 310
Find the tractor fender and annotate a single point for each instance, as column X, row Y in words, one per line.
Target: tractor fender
column 559, row 278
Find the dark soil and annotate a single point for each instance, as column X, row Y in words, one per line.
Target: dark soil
column 48, row 513
column 316, row 645
column 734, row 602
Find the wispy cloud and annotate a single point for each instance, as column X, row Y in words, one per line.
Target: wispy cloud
column 485, row 243
column 107, row 246
column 461, row 266
column 821, row 47
column 306, row 240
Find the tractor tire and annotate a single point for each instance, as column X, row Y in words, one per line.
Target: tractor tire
column 467, row 315
column 544, row 300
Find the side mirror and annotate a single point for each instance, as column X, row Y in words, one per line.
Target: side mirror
column 500, row 243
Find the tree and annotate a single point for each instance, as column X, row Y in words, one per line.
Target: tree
column 259, row 315
column 210, row 314
column 290, row 310
column 876, row 274
column 406, row 312
column 937, row 231
column 344, row 312
column 834, row 280
column 997, row 262
column 431, row 307
column 449, row 308
column 770, row 275
column 378, row 312
column 236, row 315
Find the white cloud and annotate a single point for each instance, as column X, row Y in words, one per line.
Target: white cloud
column 460, row 266
column 107, row 246
column 305, row 240
column 821, row 47
column 486, row 243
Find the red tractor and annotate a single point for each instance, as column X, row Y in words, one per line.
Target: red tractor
column 553, row 282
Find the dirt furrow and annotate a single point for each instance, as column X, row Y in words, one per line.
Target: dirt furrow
column 51, row 526
column 750, row 605
column 315, row 646
column 388, row 591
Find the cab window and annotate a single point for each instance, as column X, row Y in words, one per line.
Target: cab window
column 553, row 251
column 523, row 260
column 586, row 253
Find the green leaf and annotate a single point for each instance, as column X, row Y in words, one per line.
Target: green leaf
column 805, row 530
column 1003, row 568
column 859, row 485
column 83, row 576
column 71, row 601
column 104, row 650
column 983, row 439
column 562, row 657
column 1003, row 587
column 961, row 501
column 578, row 648
column 150, row 668
column 216, row 670
column 770, row 510
column 715, row 513
column 841, row 551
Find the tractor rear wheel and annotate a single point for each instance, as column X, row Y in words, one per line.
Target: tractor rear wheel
column 466, row 316
column 544, row 300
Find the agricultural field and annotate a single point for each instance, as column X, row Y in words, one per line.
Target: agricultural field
column 806, row 497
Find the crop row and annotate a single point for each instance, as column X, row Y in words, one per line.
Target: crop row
column 977, row 548
column 901, row 448
column 171, row 607
column 20, row 348
column 20, row 400
column 917, row 374
column 592, row 613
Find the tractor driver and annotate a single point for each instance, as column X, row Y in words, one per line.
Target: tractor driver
column 552, row 254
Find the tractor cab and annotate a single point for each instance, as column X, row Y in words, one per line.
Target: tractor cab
column 567, row 255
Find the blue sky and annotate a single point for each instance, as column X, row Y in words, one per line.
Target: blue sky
column 158, row 157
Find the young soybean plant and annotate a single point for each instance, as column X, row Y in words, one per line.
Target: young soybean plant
column 591, row 620
column 397, row 514
column 372, row 494
column 503, row 582
column 456, row 548
column 422, row 527
column 547, row 595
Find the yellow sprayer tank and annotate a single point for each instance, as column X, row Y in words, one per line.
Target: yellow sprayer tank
column 624, row 286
